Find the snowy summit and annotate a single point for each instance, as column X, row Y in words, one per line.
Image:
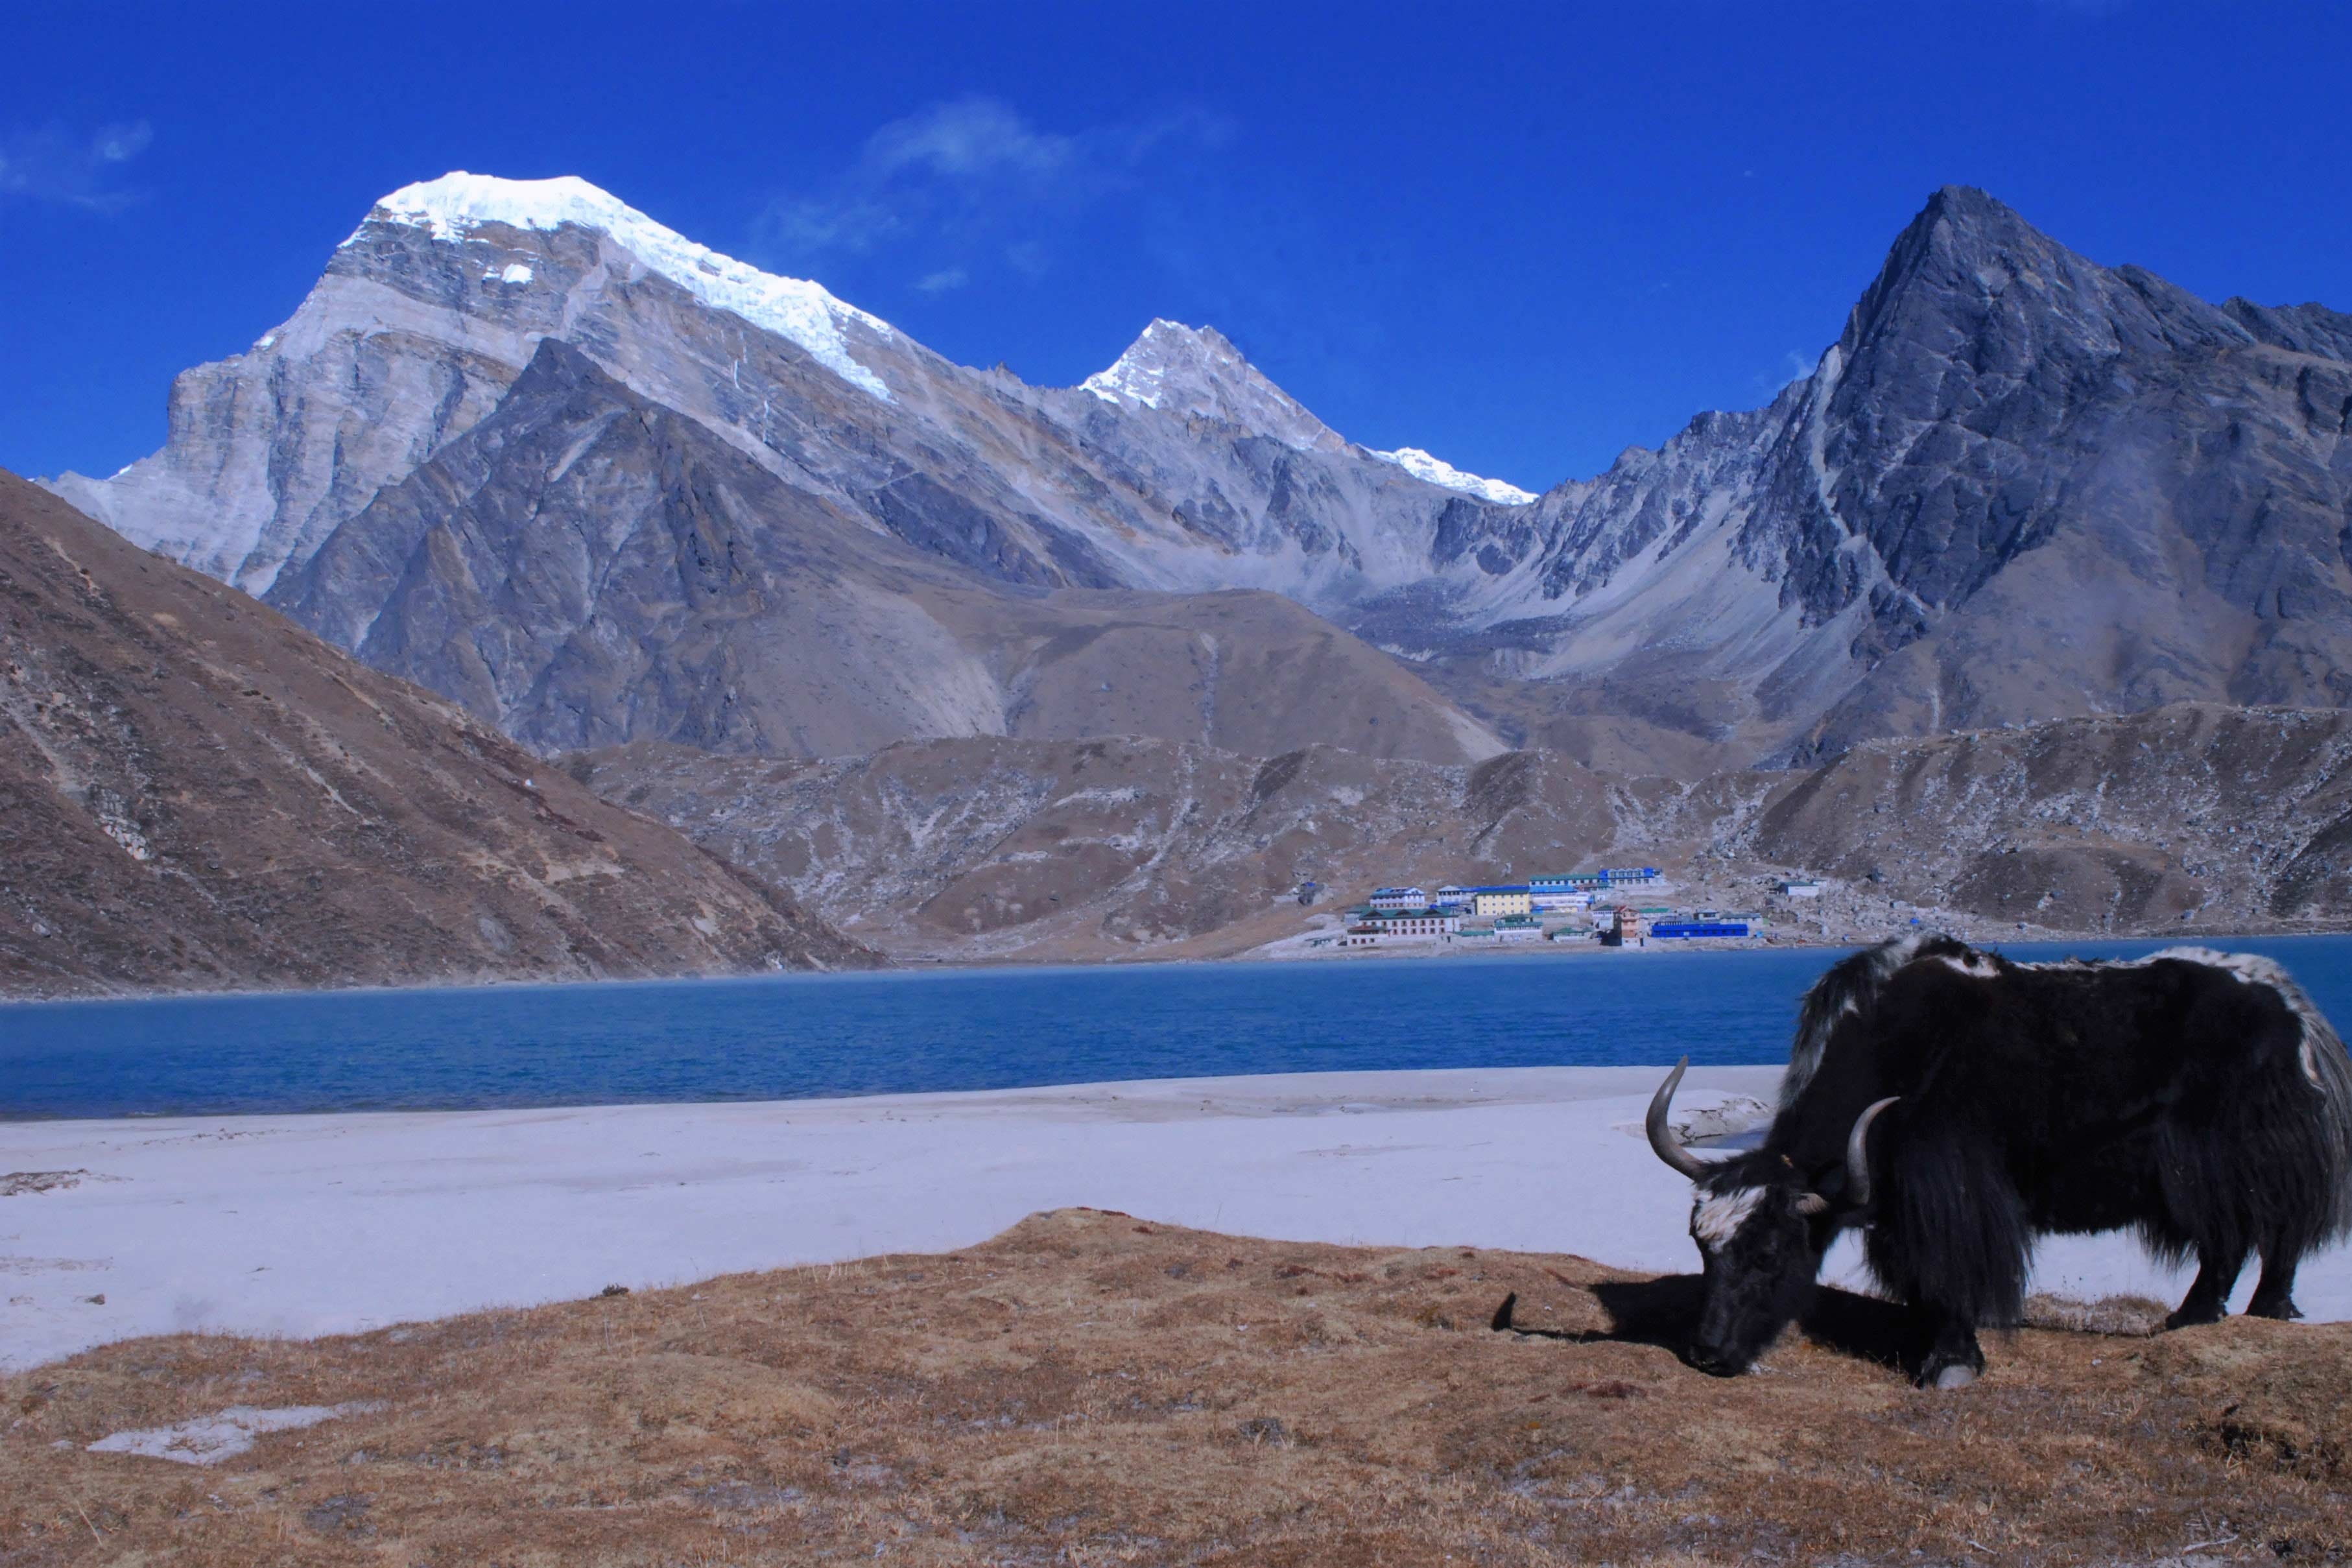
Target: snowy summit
column 453, row 206
column 1194, row 357
column 1437, row 471
column 1196, row 372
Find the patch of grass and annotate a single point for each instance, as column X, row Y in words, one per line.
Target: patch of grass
column 1087, row 1388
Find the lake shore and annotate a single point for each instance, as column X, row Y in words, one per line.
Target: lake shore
column 1289, row 948
column 302, row 1225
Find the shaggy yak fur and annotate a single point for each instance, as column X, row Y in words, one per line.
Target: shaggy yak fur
column 2196, row 1097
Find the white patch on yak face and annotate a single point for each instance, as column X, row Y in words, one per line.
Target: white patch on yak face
column 1715, row 1219
column 1976, row 967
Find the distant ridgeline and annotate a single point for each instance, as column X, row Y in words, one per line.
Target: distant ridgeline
column 801, row 533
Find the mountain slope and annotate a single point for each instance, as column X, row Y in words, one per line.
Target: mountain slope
column 993, row 848
column 586, row 567
column 2188, row 818
column 196, row 794
column 2021, row 485
column 2235, row 819
column 433, row 306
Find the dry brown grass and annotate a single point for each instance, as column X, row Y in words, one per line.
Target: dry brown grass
column 1091, row 1388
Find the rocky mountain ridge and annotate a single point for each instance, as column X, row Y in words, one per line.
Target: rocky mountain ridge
column 586, row 567
column 2018, row 486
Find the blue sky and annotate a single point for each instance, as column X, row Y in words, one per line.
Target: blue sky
column 1522, row 237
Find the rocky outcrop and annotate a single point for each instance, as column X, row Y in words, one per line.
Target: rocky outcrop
column 196, row 794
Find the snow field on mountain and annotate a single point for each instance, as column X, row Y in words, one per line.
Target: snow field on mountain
column 1437, row 471
column 455, row 206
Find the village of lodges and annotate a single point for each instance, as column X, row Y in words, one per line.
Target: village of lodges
column 1575, row 906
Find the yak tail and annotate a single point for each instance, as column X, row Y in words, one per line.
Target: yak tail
column 2330, row 1072
column 1850, row 986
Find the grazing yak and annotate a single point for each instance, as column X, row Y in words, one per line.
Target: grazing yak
column 1956, row 1106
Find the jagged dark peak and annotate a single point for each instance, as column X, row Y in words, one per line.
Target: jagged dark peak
column 1968, row 280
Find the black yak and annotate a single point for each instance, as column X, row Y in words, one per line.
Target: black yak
column 1957, row 1106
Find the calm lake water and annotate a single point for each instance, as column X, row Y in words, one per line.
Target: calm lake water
column 832, row 1034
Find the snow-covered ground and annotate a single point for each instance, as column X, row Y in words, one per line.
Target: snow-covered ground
column 308, row 1225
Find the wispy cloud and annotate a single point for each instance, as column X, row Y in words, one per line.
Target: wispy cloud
column 1793, row 367
column 971, row 182
column 53, row 164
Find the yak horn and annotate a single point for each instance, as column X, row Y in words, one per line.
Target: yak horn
column 1857, row 1154
column 1661, row 1142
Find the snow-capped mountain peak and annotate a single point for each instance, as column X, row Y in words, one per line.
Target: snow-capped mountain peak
column 1197, row 372
column 1141, row 374
column 1437, row 471
column 457, row 204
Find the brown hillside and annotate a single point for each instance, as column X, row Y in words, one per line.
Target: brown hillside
column 194, row 793
column 2197, row 817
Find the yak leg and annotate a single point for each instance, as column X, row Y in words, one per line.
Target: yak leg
column 1954, row 1359
column 2275, row 1292
column 2208, row 1300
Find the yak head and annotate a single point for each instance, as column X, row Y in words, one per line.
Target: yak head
column 1761, row 1230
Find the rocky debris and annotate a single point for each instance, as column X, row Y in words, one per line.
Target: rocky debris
column 196, row 794
column 17, row 1183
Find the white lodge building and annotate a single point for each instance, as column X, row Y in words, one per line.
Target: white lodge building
column 1408, row 922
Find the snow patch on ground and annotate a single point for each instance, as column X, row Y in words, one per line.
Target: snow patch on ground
column 342, row 1223
column 453, row 206
column 209, row 1439
column 1437, row 471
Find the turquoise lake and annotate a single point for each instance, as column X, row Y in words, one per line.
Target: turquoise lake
column 798, row 1036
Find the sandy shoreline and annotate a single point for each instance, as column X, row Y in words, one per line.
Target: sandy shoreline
column 310, row 1225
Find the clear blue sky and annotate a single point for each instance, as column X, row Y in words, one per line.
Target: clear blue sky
column 1523, row 239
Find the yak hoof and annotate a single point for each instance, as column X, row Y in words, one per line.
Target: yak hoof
column 2282, row 1311
column 1958, row 1375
